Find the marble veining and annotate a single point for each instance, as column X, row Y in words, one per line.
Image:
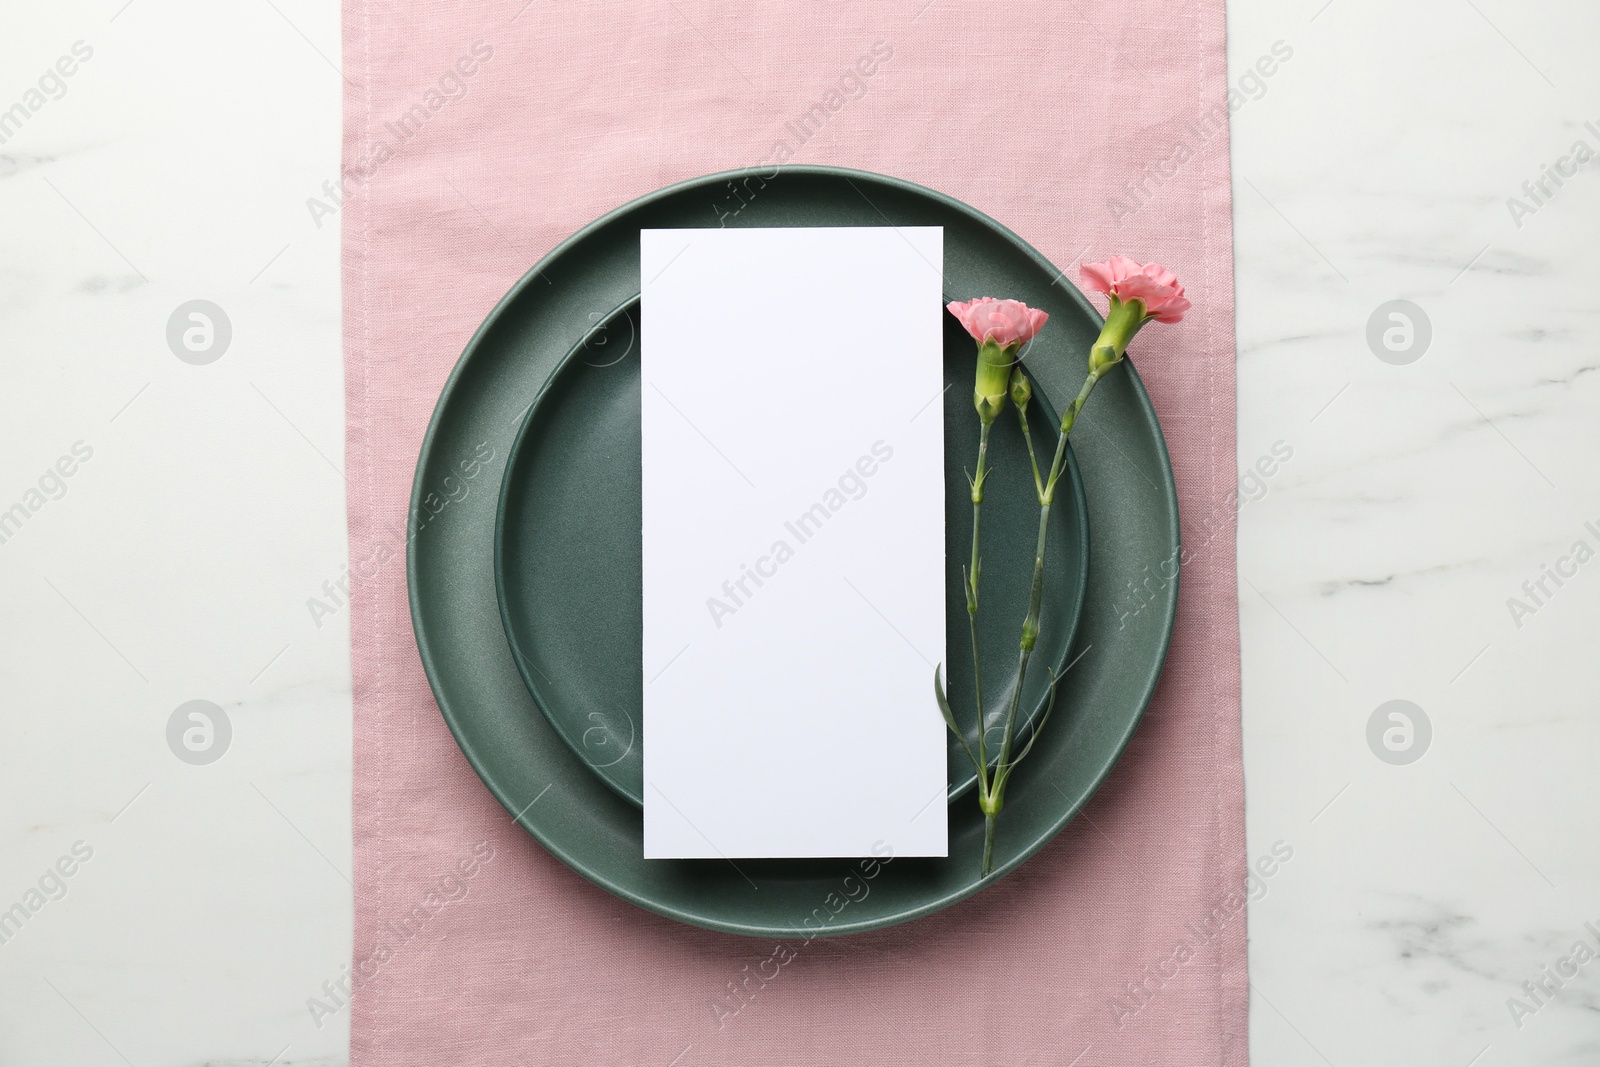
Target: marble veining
column 1420, row 499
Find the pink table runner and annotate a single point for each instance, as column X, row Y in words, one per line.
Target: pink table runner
column 478, row 133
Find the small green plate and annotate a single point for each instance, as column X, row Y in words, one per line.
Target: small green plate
column 1115, row 661
column 568, row 556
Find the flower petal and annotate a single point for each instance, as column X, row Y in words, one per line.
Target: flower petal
column 1172, row 310
column 1098, row 276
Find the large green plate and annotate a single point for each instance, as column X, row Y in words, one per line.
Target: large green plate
column 568, row 556
column 1115, row 661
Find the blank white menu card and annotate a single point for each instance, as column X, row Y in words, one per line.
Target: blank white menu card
column 793, row 492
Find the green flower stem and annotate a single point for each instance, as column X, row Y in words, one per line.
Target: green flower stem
column 1070, row 417
column 994, row 801
column 988, row 842
column 1033, row 458
column 991, row 388
column 973, row 571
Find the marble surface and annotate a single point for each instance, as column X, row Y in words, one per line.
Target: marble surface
column 1404, row 507
column 1424, row 489
column 175, row 563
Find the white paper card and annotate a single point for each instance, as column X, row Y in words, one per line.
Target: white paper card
column 793, row 542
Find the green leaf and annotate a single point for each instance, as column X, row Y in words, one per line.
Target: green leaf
column 944, row 705
column 1039, row 725
column 950, row 718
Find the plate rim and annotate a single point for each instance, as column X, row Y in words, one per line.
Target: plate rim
column 1167, row 603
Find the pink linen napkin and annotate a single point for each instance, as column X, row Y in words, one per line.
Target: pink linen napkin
column 510, row 124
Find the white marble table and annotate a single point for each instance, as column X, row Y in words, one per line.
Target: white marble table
column 1427, row 484
column 175, row 563
column 1408, row 532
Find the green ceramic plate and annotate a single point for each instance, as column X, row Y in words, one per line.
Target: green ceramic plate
column 568, row 554
column 1116, row 658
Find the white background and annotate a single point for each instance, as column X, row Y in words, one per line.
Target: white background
column 1375, row 166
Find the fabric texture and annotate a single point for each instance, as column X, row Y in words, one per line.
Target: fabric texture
column 479, row 133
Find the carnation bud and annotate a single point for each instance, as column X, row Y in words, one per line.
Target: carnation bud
column 1021, row 387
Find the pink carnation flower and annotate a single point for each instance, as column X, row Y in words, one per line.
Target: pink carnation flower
column 1005, row 322
column 1151, row 284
